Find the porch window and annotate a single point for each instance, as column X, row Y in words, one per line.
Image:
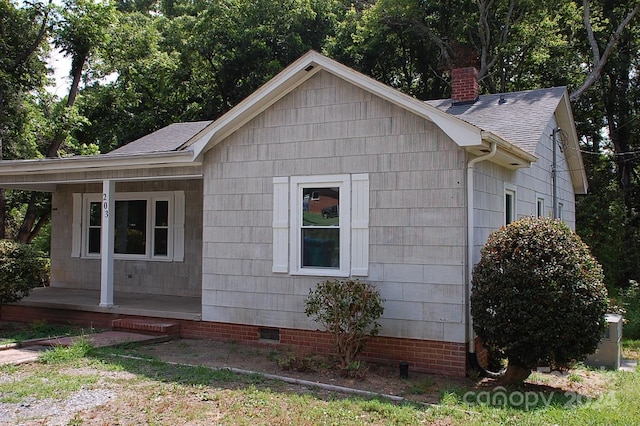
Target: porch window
column 131, row 227
column 144, row 226
column 161, row 229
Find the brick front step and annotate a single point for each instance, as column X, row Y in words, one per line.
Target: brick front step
column 145, row 326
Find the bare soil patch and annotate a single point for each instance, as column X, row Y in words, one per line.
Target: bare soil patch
column 382, row 379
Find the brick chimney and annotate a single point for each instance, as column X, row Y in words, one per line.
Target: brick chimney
column 464, row 85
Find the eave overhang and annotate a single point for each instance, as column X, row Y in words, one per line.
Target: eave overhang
column 45, row 173
column 565, row 120
column 507, row 155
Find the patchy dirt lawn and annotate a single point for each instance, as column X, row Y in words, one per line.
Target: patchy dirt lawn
column 151, row 393
column 383, row 379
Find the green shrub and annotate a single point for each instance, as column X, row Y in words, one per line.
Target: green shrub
column 538, row 296
column 349, row 311
column 21, row 269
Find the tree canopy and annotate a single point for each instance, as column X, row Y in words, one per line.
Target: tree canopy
column 138, row 65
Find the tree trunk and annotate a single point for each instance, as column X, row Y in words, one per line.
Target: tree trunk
column 25, row 233
column 3, row 224
column 3, row 203
column 76, row 71
column 515, row 374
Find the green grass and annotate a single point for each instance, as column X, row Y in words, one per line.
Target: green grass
column 49, row 382
column 60, row 354
column 19, row 332
column 421, row 387
column 46, row 384
column 631, row 349
column 617, row 406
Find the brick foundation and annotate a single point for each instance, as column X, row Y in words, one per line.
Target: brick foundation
column 424, row 356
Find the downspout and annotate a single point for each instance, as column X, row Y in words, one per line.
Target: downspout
column 554, row 171
column 470, row 241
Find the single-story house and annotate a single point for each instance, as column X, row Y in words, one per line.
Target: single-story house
column 321, row 173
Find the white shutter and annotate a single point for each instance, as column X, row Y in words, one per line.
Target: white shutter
column 360, row 225
column 280, row 224
column 76, row 225
column 178, row 226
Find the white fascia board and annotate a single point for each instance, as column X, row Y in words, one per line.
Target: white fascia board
column 97, row 163
column 564, row 117
column 461, row 132
column 269, row 93
column 508, row 148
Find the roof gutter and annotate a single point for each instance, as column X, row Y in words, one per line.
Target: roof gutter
column 470, row 241
column 97, row 163
column 507, row 147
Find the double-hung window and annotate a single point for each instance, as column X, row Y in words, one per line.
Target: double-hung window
column 321, row 224
column 147, row 225
column 325, row 231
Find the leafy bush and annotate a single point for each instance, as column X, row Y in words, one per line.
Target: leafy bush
column 21, row 269
column 538, row 296
column 349, row 311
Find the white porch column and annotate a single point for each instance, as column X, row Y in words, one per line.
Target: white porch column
column 106, row 243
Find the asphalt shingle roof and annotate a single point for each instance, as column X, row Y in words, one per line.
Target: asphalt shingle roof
column 520, row 119
column 169, row 138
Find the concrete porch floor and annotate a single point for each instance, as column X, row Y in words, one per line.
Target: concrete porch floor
column 149, row 305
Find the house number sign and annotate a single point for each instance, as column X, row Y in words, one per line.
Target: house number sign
column 105, row 205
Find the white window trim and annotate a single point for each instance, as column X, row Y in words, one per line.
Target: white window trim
column 175, row 248
column 540, row 201
column 297, row 184
column 561, row 211
column 511, row 190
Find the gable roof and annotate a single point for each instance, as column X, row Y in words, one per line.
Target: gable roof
column 522, row 119
column 463, row 133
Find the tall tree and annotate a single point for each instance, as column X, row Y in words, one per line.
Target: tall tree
column 196, row 60
column 611, row 91
column 82, row 30
column 78, row 33
column 241, row 44
column 23, row 34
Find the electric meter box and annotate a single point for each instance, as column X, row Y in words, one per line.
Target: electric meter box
column 609, row 352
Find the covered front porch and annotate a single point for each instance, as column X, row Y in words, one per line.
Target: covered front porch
column 144, row 305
